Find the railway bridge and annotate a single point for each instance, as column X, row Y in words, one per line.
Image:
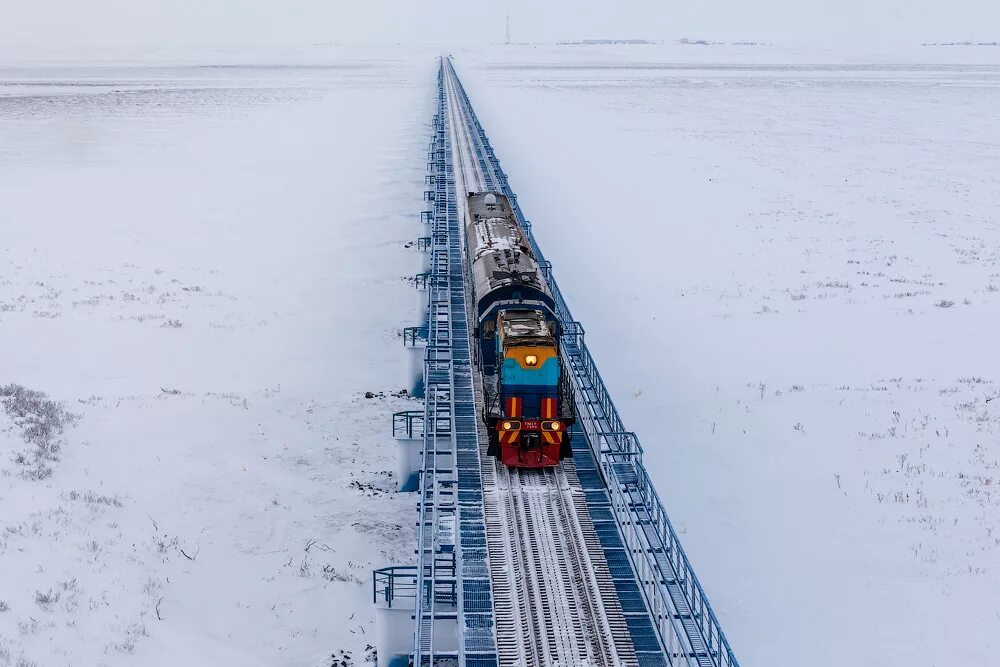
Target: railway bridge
column 571, row 566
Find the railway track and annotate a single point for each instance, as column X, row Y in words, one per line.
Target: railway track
column 555, row 603
column 570, row 566
column 554, row 599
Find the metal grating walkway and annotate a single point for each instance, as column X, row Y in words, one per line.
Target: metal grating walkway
column 678, row 626
column 619, row 558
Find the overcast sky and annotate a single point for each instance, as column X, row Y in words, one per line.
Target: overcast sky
column 167, row 23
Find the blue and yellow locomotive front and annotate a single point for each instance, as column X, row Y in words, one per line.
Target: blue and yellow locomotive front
column 531, row 432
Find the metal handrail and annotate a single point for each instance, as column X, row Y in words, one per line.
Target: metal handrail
column 414, row 335
column 406, row 424
column 389, row 583
column 439, row 414
column 428, row 483
column 709, row 627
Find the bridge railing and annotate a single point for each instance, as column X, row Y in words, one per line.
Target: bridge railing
column 672, row 591
column 408, row 424
column 414, row 335
column 389, row 584
column 620, row 458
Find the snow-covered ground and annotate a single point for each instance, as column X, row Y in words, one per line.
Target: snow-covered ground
column 205, row 268
column 788, row 275
column 787, row 272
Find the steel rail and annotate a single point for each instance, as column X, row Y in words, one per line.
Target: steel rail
column 545, row 554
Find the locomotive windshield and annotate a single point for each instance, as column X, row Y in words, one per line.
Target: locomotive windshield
column 525, row 327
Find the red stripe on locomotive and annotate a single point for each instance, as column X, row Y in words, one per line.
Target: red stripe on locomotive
column 548, row 408
column 514, row 404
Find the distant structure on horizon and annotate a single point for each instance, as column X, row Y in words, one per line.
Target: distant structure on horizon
column 961, row 44
column 507, row 32
column 617, row 41
column 591, row 42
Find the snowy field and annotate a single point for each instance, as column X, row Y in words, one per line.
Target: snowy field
column 788, row 273
column 203, row 269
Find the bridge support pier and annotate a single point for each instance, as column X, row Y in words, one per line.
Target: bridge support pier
column 408, row 460
column 394, row 597
column 415, row 369
column 393, row 635
column 408, row 431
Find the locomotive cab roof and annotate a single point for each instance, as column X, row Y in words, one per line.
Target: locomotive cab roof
column 483, row 205
column 525, row 327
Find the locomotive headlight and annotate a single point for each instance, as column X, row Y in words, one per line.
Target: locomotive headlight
column 507, row 426
column 530, row 360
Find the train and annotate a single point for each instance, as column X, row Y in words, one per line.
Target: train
column 528, row 408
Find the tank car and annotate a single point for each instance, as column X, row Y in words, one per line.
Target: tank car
column 528, row 408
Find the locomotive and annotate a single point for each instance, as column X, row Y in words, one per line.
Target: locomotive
column 528, row 406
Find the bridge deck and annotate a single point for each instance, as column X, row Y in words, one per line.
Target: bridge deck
column 578, row 564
